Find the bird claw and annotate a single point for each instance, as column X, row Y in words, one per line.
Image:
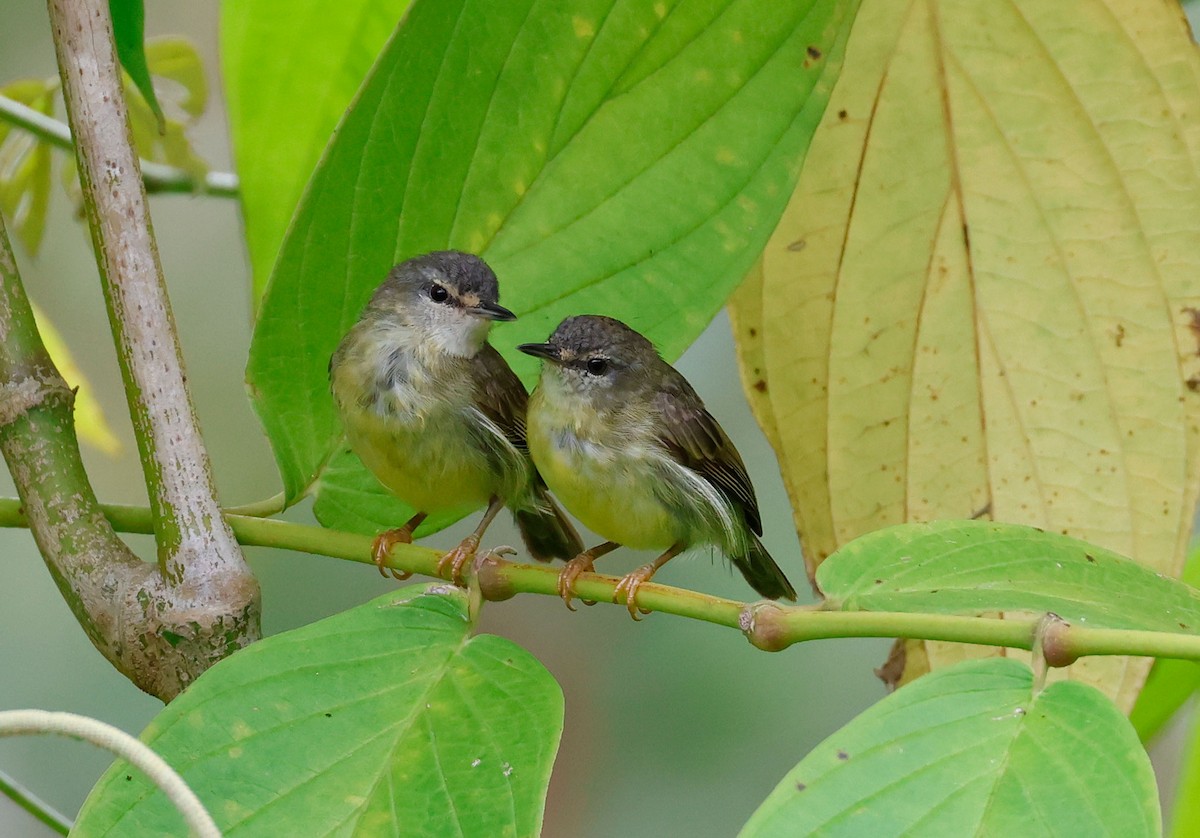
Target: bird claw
column 497, row 553
column 629, row 585
column 382, row 546
column 458, row 558
column 568, row 576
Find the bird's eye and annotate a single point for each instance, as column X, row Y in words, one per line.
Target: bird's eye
column 439, row 294
column 597, row 366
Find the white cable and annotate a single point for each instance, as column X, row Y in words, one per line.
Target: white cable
column 24, row 722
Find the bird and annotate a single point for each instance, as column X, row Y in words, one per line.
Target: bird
column 437, row 414
column 627, row 446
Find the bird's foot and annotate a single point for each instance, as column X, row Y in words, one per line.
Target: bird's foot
column 629, row 585
column 458, row 558
column 497, row 553
column 382, row 547
column 583, row 563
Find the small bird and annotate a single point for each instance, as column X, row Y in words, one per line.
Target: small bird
column 436, row 414
column 626, row 444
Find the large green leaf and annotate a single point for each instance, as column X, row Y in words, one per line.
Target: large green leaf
column 969, row 567
column 621, row 157
column 290, row 68
column 388, row 719
column 980, row 300
column 971, row 750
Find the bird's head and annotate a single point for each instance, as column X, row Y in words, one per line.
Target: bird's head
column 597, row 357
column 447, row 298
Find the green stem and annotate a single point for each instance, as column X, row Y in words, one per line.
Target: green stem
column 34, row 805
column 158, row 177
column 195, row 548
column 768, row 625
column 260, row 508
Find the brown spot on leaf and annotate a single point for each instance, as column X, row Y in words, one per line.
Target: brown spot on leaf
column 800, row 787
column 843, row 755
column 843, row 115
column 1090, row 557
column 814, row 53
column 760, row 386
column 1193, row 324
column 1119, row 337
column 797, row 245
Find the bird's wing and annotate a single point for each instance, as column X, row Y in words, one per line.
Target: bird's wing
column 697, row 441
column 500, row 395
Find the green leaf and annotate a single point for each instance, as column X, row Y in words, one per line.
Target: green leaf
column 623, row 158
column 970, row 567
column 1170, row 682
column 1168, row 687
column 129, row 19
column 175, row 60
column 1185, row 814
column 291, row 68
column 350, row 498
column 163, row 139
column 388, row 719
column 970, row 750
column 25, row 165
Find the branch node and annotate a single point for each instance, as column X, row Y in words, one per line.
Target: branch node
column 765, row 626
column 19, row 396
column 493, row 582
column 1051, row 646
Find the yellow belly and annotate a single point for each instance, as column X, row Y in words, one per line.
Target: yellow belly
column 432, row 469
column 609, row 489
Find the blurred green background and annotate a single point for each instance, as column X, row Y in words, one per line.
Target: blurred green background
column 672, row 726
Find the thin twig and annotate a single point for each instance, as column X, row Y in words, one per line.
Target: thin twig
column 159, row 177
column 117, row 741
column 767, row 625
column 260, row 508
column 34, row 805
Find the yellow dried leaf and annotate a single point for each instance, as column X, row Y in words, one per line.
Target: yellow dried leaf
column 982, row 298
column 90, row 423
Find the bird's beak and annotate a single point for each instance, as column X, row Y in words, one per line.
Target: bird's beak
column 493, row 311
column 541, row 350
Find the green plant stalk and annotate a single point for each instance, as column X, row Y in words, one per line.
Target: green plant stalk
column 501, row 579
column 158, row 177
column 196, row 550
column 118, row 600
column 35, row 806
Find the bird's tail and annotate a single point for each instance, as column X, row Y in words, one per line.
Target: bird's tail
column 762, row 573
column 546, row 531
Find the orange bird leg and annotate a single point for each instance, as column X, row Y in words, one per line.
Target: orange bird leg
column 385, row 541
column 464, row 553
column 581, row 564
column 630, row 583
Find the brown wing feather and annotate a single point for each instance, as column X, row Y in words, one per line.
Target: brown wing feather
column 502, row 397
column 697, row 440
